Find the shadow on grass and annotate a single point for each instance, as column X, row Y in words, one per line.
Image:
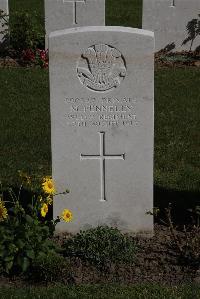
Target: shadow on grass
column 181, row 202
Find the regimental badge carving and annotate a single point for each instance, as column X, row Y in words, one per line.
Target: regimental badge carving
column 101, row 68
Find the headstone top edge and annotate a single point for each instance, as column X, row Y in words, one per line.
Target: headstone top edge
column 101, row 29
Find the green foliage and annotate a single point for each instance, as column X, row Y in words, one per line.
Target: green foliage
column 23, row 238
column 25, row 232
column 101, row 246
column 26, row 31
column 50, row 267
column 176, row 58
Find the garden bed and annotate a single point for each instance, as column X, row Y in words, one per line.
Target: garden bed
column 156, row 262
column 177, row 59
column 173, row 59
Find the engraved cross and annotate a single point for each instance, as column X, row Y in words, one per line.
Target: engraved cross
column 74, row 2
column 102, row 157
column 172, row 3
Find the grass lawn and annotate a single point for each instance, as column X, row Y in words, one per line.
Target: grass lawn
column 124, row 13
column 103, row 292
column 25, row 126
column 29, row 6
column 25, row 122
column 177, row 138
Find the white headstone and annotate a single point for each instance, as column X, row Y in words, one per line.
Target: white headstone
column 102, row 94
column 168, row 19
column 4, row 8
column 62, row 14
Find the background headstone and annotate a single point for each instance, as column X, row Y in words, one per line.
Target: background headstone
column 101, row 90
column 4, row 7
column 168, row 19
column 62, row 14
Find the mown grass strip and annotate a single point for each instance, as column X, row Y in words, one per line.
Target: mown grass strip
column 144, row 291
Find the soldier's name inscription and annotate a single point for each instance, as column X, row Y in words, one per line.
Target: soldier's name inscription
column 101, row 111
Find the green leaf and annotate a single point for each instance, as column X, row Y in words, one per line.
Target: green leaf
column 30, row 253
column 8, row 266
column 24, row 263
column 29, row 219
column 20, row 243
column 9, row 258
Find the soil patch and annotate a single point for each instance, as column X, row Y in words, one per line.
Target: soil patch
column 156, row 262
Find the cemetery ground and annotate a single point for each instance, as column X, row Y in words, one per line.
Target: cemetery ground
column 165, row 266
column 25, row 145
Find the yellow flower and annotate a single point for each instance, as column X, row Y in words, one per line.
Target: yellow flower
column 67, row 215
column 48, row 185
column 3, row 211
column 49, row 200
column 44, row 210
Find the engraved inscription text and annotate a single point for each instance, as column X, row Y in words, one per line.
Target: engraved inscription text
column 101, row 112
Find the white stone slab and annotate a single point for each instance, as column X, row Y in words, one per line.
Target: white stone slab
column 168, row 19
column 4, row 7
column 62, row 14
column 102, row 92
